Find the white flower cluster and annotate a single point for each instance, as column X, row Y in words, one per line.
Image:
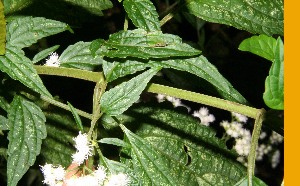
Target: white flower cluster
column 53, row 60
column 204, row 116
column 275, row 159
column 261, row 150
column 175, row 101
column 276, row 138
column 53, row 175
column 83, row 148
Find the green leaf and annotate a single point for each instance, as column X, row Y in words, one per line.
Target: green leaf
column 114, row 70
column 44, row 53
column 4, row 104
column 262, row 45
column 20, row 68
column 80, row 56
column 120, row 98
column 76, row 117
column 143, row 14
column 114, row 141
column 274, row 84
column 27, row 129
column 11, row 6
column 3, row 123
column 260, row 16
column 202, row 68
column 93, row 6
column 95, row 45
column 142, row 44
column 255, row 181
column 24, row 31
column 169, row 143
column 2, row 30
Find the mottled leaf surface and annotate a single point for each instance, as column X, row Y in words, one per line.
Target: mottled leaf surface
column 255, row 16
column 26, row 131
column 93, row 6
column 3, row 123
column 11, row 6
column 2, row 30
column 143, row 14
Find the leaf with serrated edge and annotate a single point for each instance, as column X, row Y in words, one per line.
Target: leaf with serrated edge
column 261, row 45
column 142, row 44
column 143, row 14
column 80, row 56
column 24, row 31
column 114, row 141
column 120, row 98
column 27, row 129
column 20, row 68
column 260, row 16
column 12, row 6
column 274, row 84
column 183, row 145
column 93, row 6
column 2, row 30
column 44, row 53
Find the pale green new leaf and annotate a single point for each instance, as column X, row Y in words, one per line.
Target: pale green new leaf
column 93, row 6
column 120, row 98
column 142, row 44
column 44, row 53
column 262, row 45
column 259, row 16
column 11, row 6
column 80, row 56
column 20, row 68
column 255, row 181
column 202, row 68
column 274, row 84
column 114, row 141
column 24, row 31
column 143, row 14
column 26, row 131
column 2, row 30
column 169, row 143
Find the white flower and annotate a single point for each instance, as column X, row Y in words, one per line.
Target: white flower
column 240, row 117
column 53, row 60
column 100, row 174
column 52, row 174
column 275, row 138
column 242, row 146
column 160, row 98
column 275, row 159
column 204, row 116
column 262, row 135
column 118, row 180
column 261, row 150
column 175, row 101
column 83, row 147
column 87, row 180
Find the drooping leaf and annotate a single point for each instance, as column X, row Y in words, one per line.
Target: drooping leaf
column 3, row 123
column 274, row 84
column 11, row 6
column 20, row 68
column 80, row 56
column 202, row 68
column 24, row 31
column 255, row 181
column 114, row 141
column 2, row 30
column 93, row 6
column 27, row 129
column 76, row 117
column 169, row 143
column 260, row 16
column 120, row 98
column 262, row 45
column 142, row 44
column 44, row 53
column 143, row 14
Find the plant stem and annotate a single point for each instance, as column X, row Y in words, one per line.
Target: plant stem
column 204, row 99
column 254, row 142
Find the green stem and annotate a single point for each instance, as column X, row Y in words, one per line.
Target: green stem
column 166, row 18
column 204, row 99
column 254, row 142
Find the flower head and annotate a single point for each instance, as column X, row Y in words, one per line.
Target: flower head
column 53, row 174
column 205, row 117
column 118, row 180
column 53, row 60
column 83, row 147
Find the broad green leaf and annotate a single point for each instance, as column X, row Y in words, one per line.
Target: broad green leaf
column 255, row 181
column 114, row 141
column 3, row 123
column 173, row 143
column 44, row 53
column 4, row 104
column 24, row 31
column 114, row 70
column 149, row 162
column 27, row 129
column 202, row 68
column 80, row 56
column 259, row 16
column 11, row 6
column 76, row 117
column 93, row 6
column 2, row 30
column 142, row 44
column 143, row 14
column 120, row 98
column 262, row 45
column 274, row 84
column 20, row 68
column 95, row 46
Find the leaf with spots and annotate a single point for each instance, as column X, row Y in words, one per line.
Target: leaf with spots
column 19, row 67
column 2, row 30
column 168, row 143
column 259, row 16
column 143, row 14
column 26, row 130
column 142, row 44
column 255, row 181
column 24, row 31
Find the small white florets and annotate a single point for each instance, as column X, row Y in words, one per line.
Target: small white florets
column 53, row 60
